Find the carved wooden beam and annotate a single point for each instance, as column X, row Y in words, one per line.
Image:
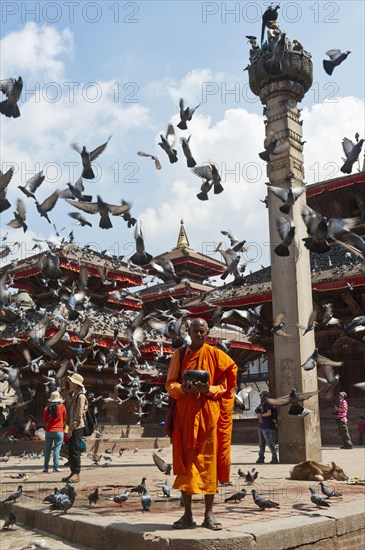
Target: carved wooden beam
column 351, row 303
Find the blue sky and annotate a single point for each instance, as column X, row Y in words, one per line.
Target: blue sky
column 129, row 63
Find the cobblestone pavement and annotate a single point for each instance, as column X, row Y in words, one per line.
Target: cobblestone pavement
column 127, row 470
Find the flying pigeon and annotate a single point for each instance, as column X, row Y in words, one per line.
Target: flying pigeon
column 103, row 208
column 12, row 89
column 210, row 174
column 157, row 162
column 19, row 216
column 292, row 399
column 185, row 114
column 286, row 230
column 168, row 142
column 161, row 464
column 336, row 58
column 287, row 196
column 87, row 157
column 316, row 358
column 4, row 182
column 352, row 152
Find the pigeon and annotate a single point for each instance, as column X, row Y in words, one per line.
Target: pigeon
column 273, row 65
column 318, row 500
column 36, row 543
column 262, row 502
column 14, row 496
column 94, row 496
column 190, row 161
column 250, row 477
column 336, row 58
column 32, row 185
column 63, row 502
column 161, row 464
column 166, row 490
column 157, row 162
column 76, row 192
column 240, row 396
column 269, row 149
column 352, row 152
column 140, row 257
column 236, row 244
column 119, row 499
column 87, row 157
column 311, row 323
column 103, row 208
column 210, row 174
column 47, row 205
column 80, row 219
column 166, row 268
column 236, row 496
column 12, row 88
column 278, row 325
column 146, row 500
column 4, row 182
column 328, row 492
column 271, row 14
column 231, row 267
column 316, row 358
column 286, row 230
column 19, row 216
column 356, row 322
column 292, row 398
column 287, row 196
column 10, row 520
column 321, row 229
column 140, row 488
column 185, row 114
column 168, row 142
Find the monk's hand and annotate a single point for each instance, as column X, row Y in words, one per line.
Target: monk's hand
column 189, row 387
column 202, row 387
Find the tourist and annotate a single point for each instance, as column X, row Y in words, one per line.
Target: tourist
column 75, row 425
column 54, row 415
column 201, row 437
column 361, row 430
column 265, row 429
column 341, row 419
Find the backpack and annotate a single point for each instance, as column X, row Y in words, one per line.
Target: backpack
column 89, row 420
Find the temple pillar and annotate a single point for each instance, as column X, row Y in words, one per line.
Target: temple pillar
column 299, row 438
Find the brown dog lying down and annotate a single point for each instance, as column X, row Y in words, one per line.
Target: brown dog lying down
column 310, row 470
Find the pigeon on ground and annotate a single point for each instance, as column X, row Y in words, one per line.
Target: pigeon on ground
column 185, row 114
column 168, row 142
column 12, row 88
column 286, row 230
column 328, row 492
column 166, row 490
column 352, row 152
column 273, row 65
column 161, row 464
column 94, row 496
column 157, row 162
column 19, row 216
column 250, row 477
column 236, row 496
column 262, row 502
column 318, row 500
column 14, row 496
column 336, row 58
column 87, row 157
column 4, row 182
column 10, row 520
column 119, row 499
column 140, row 488
column 146, row 500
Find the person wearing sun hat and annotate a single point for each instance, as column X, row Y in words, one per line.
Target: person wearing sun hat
column 75, row 421
column 54, row 415
column 341, row 419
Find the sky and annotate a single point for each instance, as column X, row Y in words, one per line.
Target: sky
column 97, row 69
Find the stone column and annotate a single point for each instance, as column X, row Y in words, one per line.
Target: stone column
column 299, row 438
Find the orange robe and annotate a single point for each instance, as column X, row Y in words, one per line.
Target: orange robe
column 201, row 438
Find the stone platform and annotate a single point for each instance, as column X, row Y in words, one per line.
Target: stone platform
column 109, row 526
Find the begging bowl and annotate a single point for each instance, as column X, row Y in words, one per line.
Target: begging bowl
column 193, row 376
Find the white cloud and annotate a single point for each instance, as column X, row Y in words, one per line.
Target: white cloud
column 35, row 50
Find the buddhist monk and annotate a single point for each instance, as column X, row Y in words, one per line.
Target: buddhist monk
column 201, row 437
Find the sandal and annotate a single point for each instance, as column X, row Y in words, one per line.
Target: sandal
column 184, row 523
column 211, row 523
